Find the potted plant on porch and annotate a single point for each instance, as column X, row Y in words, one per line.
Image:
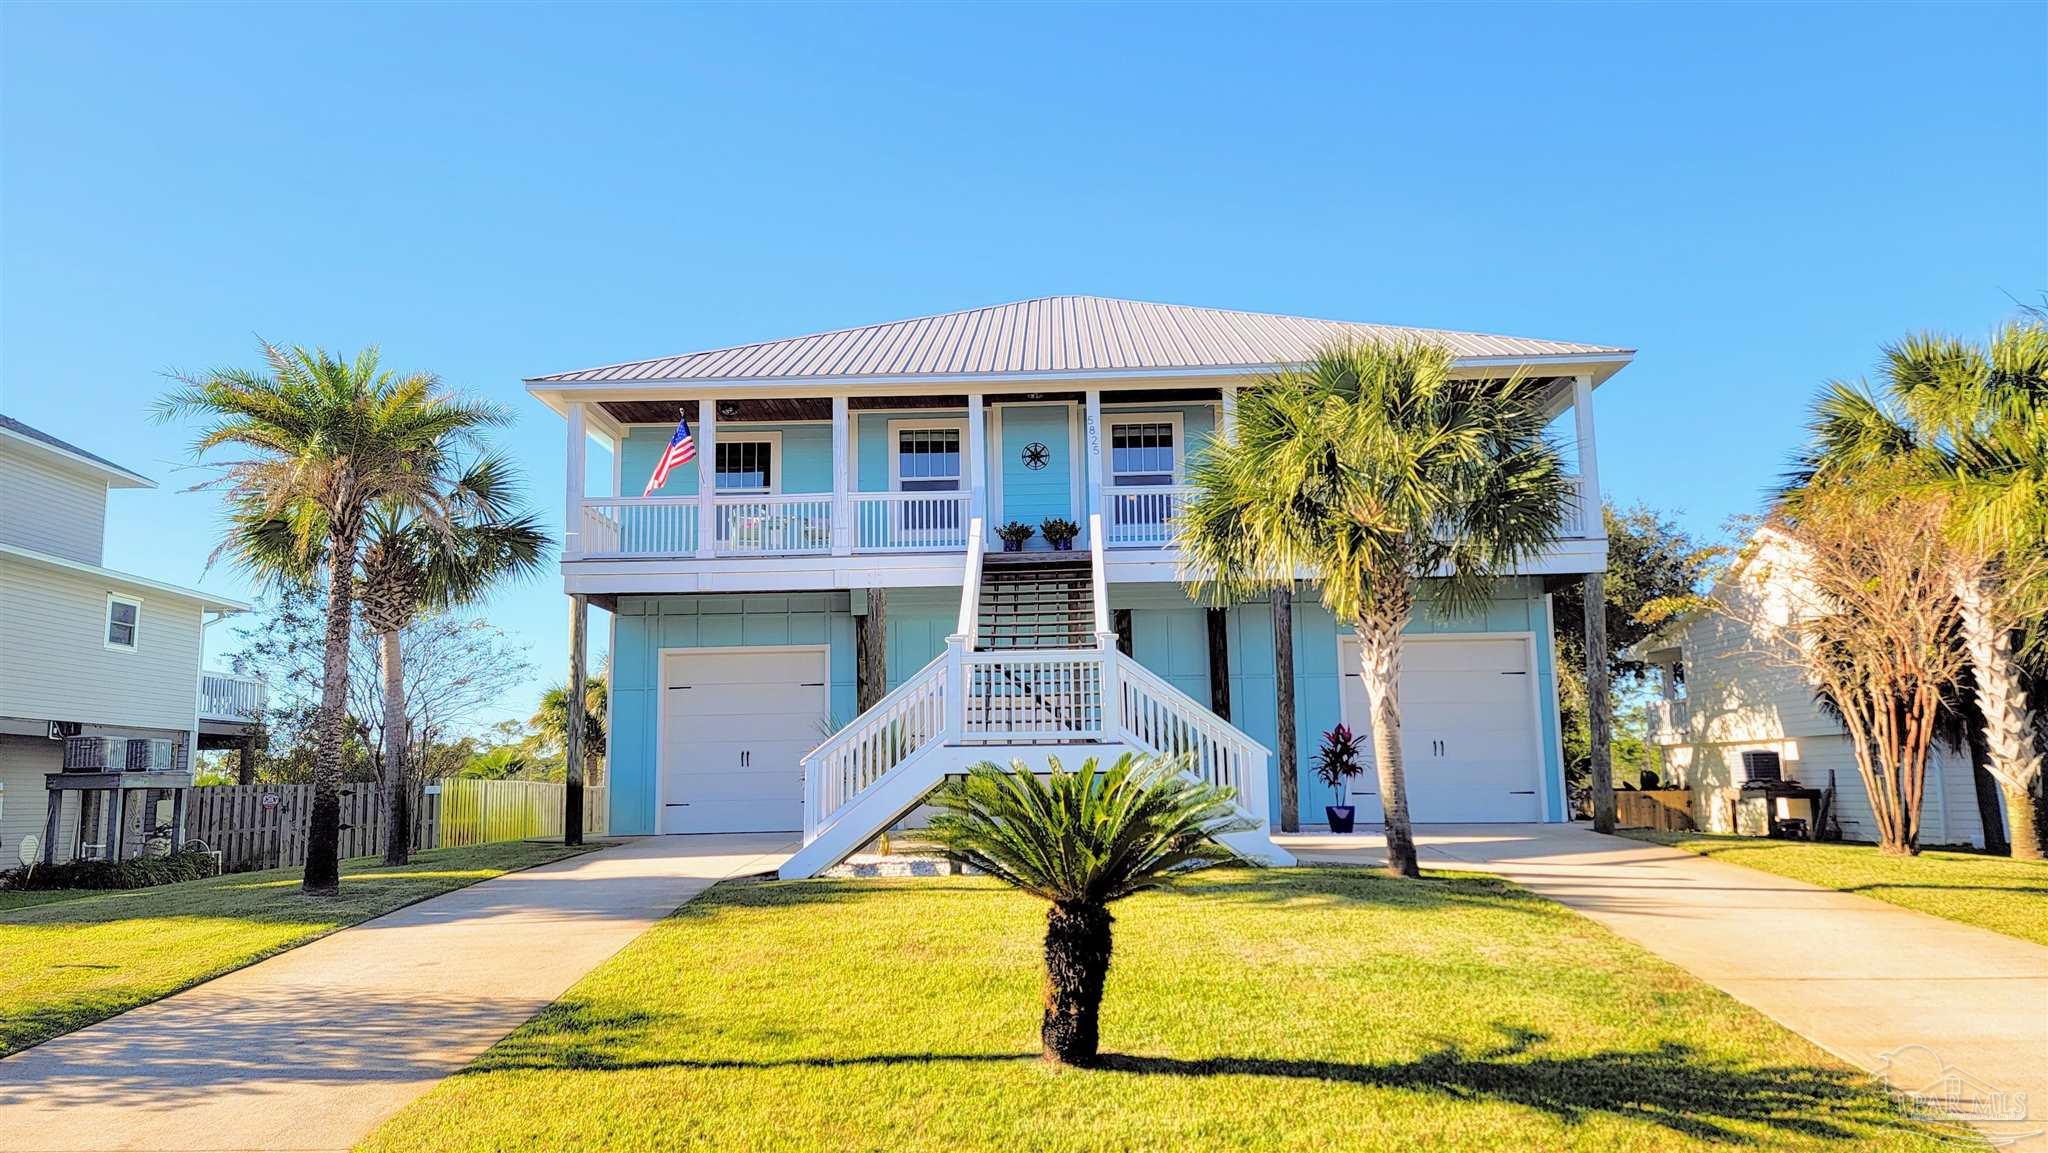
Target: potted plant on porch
column 1337, row 762
column 1014, row 535
column 1059, row 532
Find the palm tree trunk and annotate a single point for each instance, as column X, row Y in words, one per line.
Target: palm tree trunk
column 1379, row 666
column 1599, row 704
column 397, row 798
column 323, row 833
column 1077, row 948
column 2002, row 699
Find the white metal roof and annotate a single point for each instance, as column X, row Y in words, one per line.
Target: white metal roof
column 1058, row 335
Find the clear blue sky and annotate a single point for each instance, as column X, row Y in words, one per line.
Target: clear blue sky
column 1755, row 197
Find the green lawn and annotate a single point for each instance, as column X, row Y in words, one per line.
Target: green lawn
column 12, row 899
column 1996, row 893
column 1298, row 1010
column 82, row 958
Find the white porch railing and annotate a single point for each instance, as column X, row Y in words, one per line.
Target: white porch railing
column 640, row 526
column 772, row 525
column 1575, row 517
column 1161, row 719
column 1142, row 515
column 897, row 728
column 1019, row 696
column 909, row 521
column 1670, row 721
column 228, row 697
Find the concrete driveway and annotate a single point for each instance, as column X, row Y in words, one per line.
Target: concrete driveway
column 1884, row 988
column 313, row 1048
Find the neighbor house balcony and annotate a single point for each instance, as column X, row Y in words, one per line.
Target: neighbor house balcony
column 1670, row 721
column 226, row 698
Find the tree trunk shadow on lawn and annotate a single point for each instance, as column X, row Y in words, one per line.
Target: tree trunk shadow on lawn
column 1672, row 1085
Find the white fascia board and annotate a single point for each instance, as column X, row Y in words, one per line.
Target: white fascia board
column 205, row 599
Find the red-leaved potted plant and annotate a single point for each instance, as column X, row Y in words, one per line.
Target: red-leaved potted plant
column 1338, row 761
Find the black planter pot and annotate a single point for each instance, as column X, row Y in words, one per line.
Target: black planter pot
column 1063, row 546
column 1341, row 817
column 1013, row 546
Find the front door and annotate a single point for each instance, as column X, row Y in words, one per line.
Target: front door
column 1034, row 467
column 736, row 724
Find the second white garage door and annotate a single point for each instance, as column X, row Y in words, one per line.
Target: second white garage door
column 1468, row 730
column 736, row 724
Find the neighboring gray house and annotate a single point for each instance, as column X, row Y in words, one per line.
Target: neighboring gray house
column 87, row 652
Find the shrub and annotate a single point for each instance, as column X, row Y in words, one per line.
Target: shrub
column 136, row 873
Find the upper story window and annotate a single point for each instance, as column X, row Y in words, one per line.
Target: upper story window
column 1143, row 453
column 124, row 621
column 928, row 460
column 746, row 464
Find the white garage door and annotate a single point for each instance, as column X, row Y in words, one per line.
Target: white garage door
column 1468, row 730
column 736, row 724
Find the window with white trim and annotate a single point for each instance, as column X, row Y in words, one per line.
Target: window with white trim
column 1143, row 453
column 928, row 460
column 746, row 465
column 124, row 621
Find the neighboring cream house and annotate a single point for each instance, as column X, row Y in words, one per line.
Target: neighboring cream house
column 1730, row 712
column 87, row 652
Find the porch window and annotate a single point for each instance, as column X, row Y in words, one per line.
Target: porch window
column 124, row 618
column 928, row 460
column 746, row 465
column 1142, row 454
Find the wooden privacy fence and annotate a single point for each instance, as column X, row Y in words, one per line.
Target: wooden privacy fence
column 1665, row 810
column 264, row 826
column 475, row 812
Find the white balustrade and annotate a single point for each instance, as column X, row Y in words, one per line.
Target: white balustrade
column 898, row 727
column 772, row 525
column 640, row 526
column 909, row 521
column 1161, row 719
column 1143, row 514
column 1016, row 695
column 1670, row 721
column 226, row 696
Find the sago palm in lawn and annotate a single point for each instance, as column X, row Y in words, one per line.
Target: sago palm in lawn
column 1373, row 470
column 314, row 445
column 1081, row 841
column 1968, row 425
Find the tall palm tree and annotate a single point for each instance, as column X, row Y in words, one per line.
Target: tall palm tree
column 318, row 442
column 1967, row 424
column 1081, row 841
column 551, row 719
column 1377, row 472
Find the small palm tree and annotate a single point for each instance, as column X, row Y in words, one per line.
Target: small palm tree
column 551, row 721
column 1379, row 473
column 319, row 443
column 1082, row 840
column 1966, row 425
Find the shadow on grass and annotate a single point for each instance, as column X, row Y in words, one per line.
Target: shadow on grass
column 1673, row 1086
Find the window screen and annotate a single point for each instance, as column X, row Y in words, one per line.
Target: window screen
column 1141, row 454
column 928, row 459
column 745, row 465
column 122, row 617
column 1761, row 766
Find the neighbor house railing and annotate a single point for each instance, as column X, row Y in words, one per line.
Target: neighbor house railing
column 228, row 697
column 1670, row 721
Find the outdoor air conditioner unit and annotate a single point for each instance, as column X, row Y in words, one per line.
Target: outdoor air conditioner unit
column 95, row 754
column 149, row 755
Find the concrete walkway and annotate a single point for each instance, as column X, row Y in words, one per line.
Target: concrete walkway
column 313, row 1048
column 1858, row 977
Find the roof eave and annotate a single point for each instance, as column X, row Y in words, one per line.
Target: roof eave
column 205, row 599
column 113, row 474
column 553, row 392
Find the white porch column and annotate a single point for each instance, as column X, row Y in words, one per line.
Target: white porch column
column 1227, row 418
column 707, row 476
column 572, row 505
column 1093, row 435
column 842, row 504
column 1592, row 524
column 976, row 464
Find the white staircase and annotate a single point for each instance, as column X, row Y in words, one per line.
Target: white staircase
column 1035, row 682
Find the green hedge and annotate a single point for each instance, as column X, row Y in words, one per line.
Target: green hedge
column 139, row 873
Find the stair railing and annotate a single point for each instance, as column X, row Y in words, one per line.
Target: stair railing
column 1159, row 718
column 970, row 584
column 899, row 726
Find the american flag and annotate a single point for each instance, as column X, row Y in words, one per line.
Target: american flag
column 681, row 451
